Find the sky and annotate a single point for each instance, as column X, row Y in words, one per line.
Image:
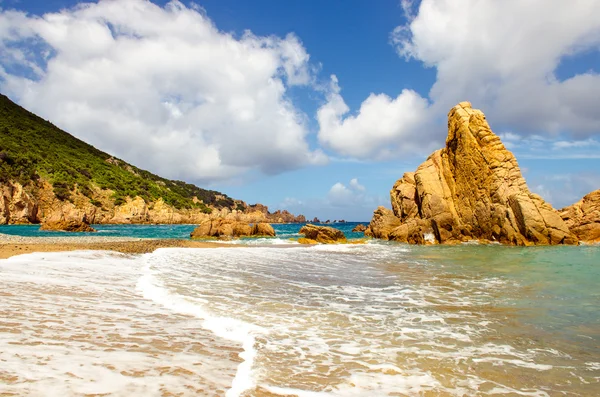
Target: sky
column 316, row 107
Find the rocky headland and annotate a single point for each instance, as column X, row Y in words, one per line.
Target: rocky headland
column 37, row 203
column 473, row 189
column 49, row 176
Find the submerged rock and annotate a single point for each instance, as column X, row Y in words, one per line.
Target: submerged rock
column 322, row 234
column 472, row 189
column 583, row 217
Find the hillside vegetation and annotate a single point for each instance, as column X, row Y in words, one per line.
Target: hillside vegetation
column 32, row 148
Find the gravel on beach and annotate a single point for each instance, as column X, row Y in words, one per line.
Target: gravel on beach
column 11, row 245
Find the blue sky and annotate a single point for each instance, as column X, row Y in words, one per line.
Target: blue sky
column 315, row 107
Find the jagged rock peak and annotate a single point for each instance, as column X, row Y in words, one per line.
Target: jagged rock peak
column 472, row 189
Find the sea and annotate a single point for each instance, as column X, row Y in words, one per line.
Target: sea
column 270, row 317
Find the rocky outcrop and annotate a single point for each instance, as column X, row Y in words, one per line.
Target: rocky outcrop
column 262, row 229
column 37, row 203
column 321, row 234
column 133, row 211
column 383, row 223
column 472, row 189
column 387, row 226
column 583, row 217
column 260, row 213
column 359, row 228
column 229, row 228
column 67, row 226
column 285, row 217
column 16, row 205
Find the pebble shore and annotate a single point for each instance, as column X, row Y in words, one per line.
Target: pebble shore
column 11, row 245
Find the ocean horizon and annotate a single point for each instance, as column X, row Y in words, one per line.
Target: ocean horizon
column 373, row 319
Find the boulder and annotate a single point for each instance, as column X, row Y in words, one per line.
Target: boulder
column 472, row 189
column 583, row 217
column 359, row 228
column 230, row 228
column 323, row 234
column 70, row 225
column 263, row 229
column 383, row 223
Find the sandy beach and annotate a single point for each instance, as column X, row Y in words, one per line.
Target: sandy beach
column 16, row 245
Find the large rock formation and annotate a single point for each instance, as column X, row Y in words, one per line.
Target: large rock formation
column 16, row 205
column 71, row 225
column 470, row 189
column 321, row 234
column 229, row 228
column 37, row 203
column 583, row 217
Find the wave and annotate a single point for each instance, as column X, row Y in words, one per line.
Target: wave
column 224, row 327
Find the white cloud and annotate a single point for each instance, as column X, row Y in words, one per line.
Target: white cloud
column 562, row 190
column 355, row 185
column 588, row 143
column 161, row 87
column 384, row 127
column 342, row 195
column 503, row 56
column 350, row 201
column 500, row 55
column 540, row 147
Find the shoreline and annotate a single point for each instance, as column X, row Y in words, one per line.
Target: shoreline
column 11, row 245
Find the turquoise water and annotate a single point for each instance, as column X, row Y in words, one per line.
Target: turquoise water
column 374, row 319
column 283, row 231
column 557, row 289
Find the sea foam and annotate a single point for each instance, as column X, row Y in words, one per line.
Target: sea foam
column 225, row 327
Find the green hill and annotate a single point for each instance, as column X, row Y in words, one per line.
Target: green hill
column 32, row 148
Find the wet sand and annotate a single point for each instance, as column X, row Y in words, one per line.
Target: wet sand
column 16, row 245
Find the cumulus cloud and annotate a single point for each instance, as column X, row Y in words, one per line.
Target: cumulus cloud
column 503, row 56
column 350, row 201
column 382, row 128
column 161, row 87
column 347, row 195
column 354, row 184
column 562, row 190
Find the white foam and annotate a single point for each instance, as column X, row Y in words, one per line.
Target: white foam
column 83, row 329
column 225, row 327
column 593, row 366
column 331, row 321
column 429, row 237
column 260, row 241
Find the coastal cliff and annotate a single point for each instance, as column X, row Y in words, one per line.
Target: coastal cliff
column 472, row 189
column 37, row 203
column 49, row 176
